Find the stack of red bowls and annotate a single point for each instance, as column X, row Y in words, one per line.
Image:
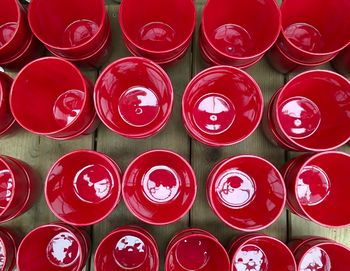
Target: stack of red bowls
column 158, row 30
column 18, row 45
column 310, row 112
column 311, row 35
column 7, row 122
column 238, row 33
column 78, row 30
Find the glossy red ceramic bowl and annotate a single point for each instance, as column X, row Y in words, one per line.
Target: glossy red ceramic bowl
column 8, row 249
column 238, row 33
column 222, row 106
column 54, row 247
column 50, row 96
column 134, row 97
column 83, row 187
column 310, row 111
column 152, row 29
column 317, row 188
column 6, row 118
column 159, row 187
column 246, row 192
column 127, row 248
column 314, row 33
column 195, row 249
column 69, row 29
column 260, row 252
column 318, row 253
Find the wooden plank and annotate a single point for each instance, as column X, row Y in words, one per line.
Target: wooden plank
column 203, row 158
column 123, row 150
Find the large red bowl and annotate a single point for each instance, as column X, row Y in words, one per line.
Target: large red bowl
column 134, row 97
column 222, row 106
column 127, row 248
column 159, row 187
column 83, row 187
column 246, row 192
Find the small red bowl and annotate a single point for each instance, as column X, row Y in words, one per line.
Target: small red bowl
column 222, row 106
column 260, row 252
column 317, row 188
column 134, row 97
column 6, row 118
column 83, row 187
column 159, row 187
column 127, row 248
column 195, row 249
column 8, row 249
column 54, row 246
column 246, row 192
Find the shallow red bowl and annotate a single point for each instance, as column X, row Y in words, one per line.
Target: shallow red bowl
column 310, row 111
column 50, row 96
column 153, row 29
column 8, row 249
column 222, row 106
column 6, row 118
column 195, row 249
column 159, row 187
column 246, row 192
column 317, row 188
column 85, row 182
column 127, row 248
column 55, row 246
column 239, row 32
column 134, row 97
column 260, row 252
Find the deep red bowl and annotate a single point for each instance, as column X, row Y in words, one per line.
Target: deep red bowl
column 195, row 249
column 152, row 29
column 317, row 188
column 159, row 187
column 238, row 33
column 246, row 192
column 134, row 97
column 222, row 106
column 261, row 252
column 127, row 248
column 314, row 33
column 310, row 111
column 6, row 118
column 50, row 96
column 83, row 187
column 318, row 253
column 54, row 247
column 8, row 249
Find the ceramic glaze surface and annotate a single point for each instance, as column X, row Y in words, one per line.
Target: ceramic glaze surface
column 250, row 257
column 79, row 32
column 7, row 31
column 6, row 188
column 316, row 259
column 157, row 35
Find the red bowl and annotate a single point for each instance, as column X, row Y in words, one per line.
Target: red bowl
column 310, row 121
column 54, row 247
column 70, row 29
column 261, row 252
column 246, row 192
column 322, row 254
column 152, row 29
column 83, row 187
column 127, row 248
column 309, row 34
column 159, row 187
column 239, row 32
column 6, row 118
column 8, row 248
column 317, row 188
column 195, row 249
column 222, row 106
column 134, row 97
column 43, row 103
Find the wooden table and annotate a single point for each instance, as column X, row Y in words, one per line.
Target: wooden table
column 41, row 153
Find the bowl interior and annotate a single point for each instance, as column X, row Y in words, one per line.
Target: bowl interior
column 247, row 193
column 312, row 109
column 6, row 186
column 155, row 25
column 241, row 28
column 133, row 96
column 159, row 187
column 48, row 95
column 9, row 18
column 64, row 23
column 82, row 188
column 222, row 105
